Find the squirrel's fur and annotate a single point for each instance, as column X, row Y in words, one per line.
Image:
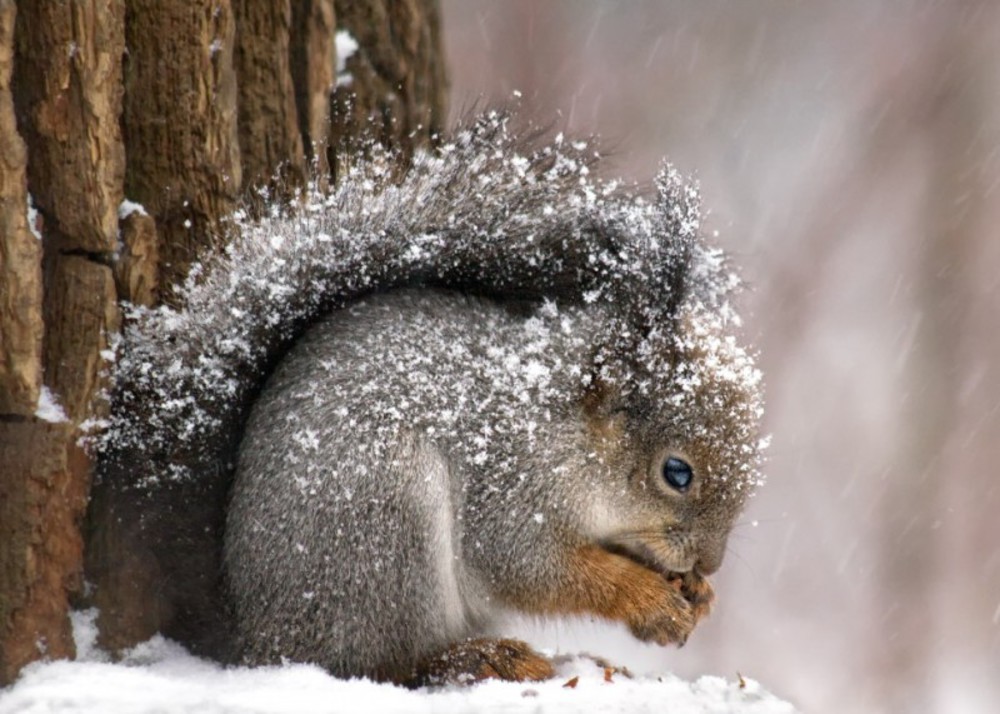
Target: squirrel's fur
column 443, row 394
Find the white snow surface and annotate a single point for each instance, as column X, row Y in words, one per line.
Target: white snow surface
column 49, row 409
column 346, row 46
column 161, row 676
column 33, row 218
column 126, row 208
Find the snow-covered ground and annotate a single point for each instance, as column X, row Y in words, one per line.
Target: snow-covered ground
column 160, row 676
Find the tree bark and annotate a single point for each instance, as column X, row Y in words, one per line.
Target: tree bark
column 41, row 500
column 67, row 93
column 270, row 137
column 394, row 86
column 20, row 370
column 314, row 62
column 20, row 253
column 180, row 124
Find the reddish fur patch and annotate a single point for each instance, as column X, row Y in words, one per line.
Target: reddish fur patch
column 615, row 587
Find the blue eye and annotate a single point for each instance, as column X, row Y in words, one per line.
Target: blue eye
column 677, row 473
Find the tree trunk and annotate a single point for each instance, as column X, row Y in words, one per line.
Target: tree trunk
column 392, row 88
column 180, row 125
column 270, row 136
column 313, row 64
column 178, row 107
column 67, row 93
column 20, row 253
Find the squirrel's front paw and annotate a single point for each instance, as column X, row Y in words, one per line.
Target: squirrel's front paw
column 686, row 599
column 697, row 591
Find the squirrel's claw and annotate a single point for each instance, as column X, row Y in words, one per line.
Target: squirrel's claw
column 697, row 591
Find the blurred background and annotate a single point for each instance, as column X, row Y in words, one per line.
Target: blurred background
column 849, row 153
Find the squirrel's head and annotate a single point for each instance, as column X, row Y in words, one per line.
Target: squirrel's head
column 678, row 433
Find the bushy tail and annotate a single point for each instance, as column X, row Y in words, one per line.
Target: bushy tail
column 487, row 212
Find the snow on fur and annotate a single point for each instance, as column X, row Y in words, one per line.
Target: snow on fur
column 488, row 212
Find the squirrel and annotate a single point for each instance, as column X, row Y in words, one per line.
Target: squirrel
column 489, row 382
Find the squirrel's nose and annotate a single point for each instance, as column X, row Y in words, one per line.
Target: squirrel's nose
column 710, row 554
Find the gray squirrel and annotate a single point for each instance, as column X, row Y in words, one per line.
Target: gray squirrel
column 491, row 382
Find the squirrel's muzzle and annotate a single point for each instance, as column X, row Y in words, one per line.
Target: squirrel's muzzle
column 710, row 554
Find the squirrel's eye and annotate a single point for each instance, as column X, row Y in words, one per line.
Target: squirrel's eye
column 677, row 473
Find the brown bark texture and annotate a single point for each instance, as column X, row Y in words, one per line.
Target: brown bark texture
column 135, row 269
column 313, row 65
column 393, row 87
column 42, row 497
column 68, row 87
column 66, row 92
column 20, row 252
column 269, row 135
column 180, row 123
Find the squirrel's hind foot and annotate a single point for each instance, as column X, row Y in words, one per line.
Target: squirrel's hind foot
column 472, row 661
